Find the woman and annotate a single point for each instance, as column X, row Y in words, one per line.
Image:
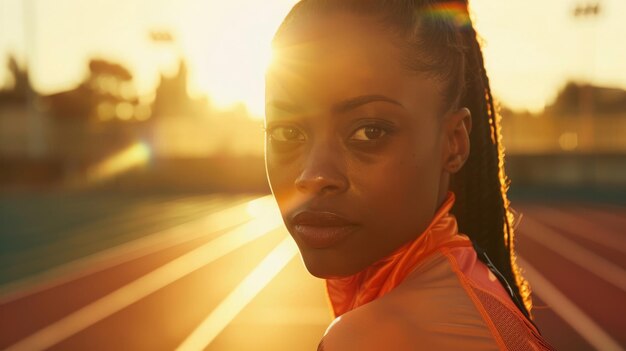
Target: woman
column 372, row 109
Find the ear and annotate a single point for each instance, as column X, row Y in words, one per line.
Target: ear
column 457, row 128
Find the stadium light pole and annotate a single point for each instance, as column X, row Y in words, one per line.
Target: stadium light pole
column 36, row 124
column 587, row 11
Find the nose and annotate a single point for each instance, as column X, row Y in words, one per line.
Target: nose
column 323, row 172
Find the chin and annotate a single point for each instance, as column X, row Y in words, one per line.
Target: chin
column 326, row 265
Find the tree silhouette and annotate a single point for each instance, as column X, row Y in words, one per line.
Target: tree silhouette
column 20, row 87
column 107, row 86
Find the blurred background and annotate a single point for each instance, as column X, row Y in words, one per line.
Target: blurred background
column 131, row 147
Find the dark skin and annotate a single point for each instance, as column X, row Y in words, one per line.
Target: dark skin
column 353, row 132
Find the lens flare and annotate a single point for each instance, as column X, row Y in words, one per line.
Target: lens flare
column 134, row 156
column 451, row 12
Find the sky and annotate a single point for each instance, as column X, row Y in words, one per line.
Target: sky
column 532, row 47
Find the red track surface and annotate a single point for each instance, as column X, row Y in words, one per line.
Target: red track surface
column 290, row 313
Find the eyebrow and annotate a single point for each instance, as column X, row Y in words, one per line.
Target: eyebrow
column 283, row 106
column 355, row 102
column 341, row 107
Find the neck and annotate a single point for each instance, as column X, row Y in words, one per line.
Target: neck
column 348, row 293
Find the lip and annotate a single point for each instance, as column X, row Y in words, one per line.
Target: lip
column 321, row 229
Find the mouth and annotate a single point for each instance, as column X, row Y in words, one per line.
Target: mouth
column 320, row 230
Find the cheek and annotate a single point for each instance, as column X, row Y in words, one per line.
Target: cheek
column 281, row 175
column 278, row 174
column 402, row 169
column 401, row 189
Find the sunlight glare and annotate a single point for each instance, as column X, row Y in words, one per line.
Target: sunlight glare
column 241, row 296
column 231, row 66
column 262, row 207
column 133, row 156
column 163, row 276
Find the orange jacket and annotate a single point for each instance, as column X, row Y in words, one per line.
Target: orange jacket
column 454, row 298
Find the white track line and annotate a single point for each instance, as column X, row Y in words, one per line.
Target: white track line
column 212, row 223
column 575, row 253
column 241, row 296
column 146, row 285
column 568, row 311
column 580, row 227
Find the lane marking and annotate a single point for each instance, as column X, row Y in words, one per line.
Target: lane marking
column 580, row 227
column 97, row 232
column 74, row 205
column 568, row 311
column 88, row 264
column 240, row 297
column 147, row 284
column 573, row 252
column 107, row 258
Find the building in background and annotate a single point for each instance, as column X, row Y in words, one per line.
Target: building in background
column 103, row 117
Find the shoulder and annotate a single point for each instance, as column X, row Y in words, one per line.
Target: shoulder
column 429, row 310
column 369, row 328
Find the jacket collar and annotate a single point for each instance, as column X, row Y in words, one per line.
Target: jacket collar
column 348, row 293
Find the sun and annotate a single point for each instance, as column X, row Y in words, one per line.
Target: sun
column 230, row 64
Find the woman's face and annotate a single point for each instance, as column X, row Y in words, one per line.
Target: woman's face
column 354, row 145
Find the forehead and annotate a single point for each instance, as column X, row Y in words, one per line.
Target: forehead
column 319, row 60
column 310, row 37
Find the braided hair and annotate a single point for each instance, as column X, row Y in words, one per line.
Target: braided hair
column 439, row 39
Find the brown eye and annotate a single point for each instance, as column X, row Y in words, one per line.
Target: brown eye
column 286, row 134
column 368, row 133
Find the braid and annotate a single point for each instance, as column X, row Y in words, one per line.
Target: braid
column 482, row 206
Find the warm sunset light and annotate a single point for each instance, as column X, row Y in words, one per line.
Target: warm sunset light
column 231, row 61
column 243, row 77
column 227, row 44
column 149, row 202
column 252, row 284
